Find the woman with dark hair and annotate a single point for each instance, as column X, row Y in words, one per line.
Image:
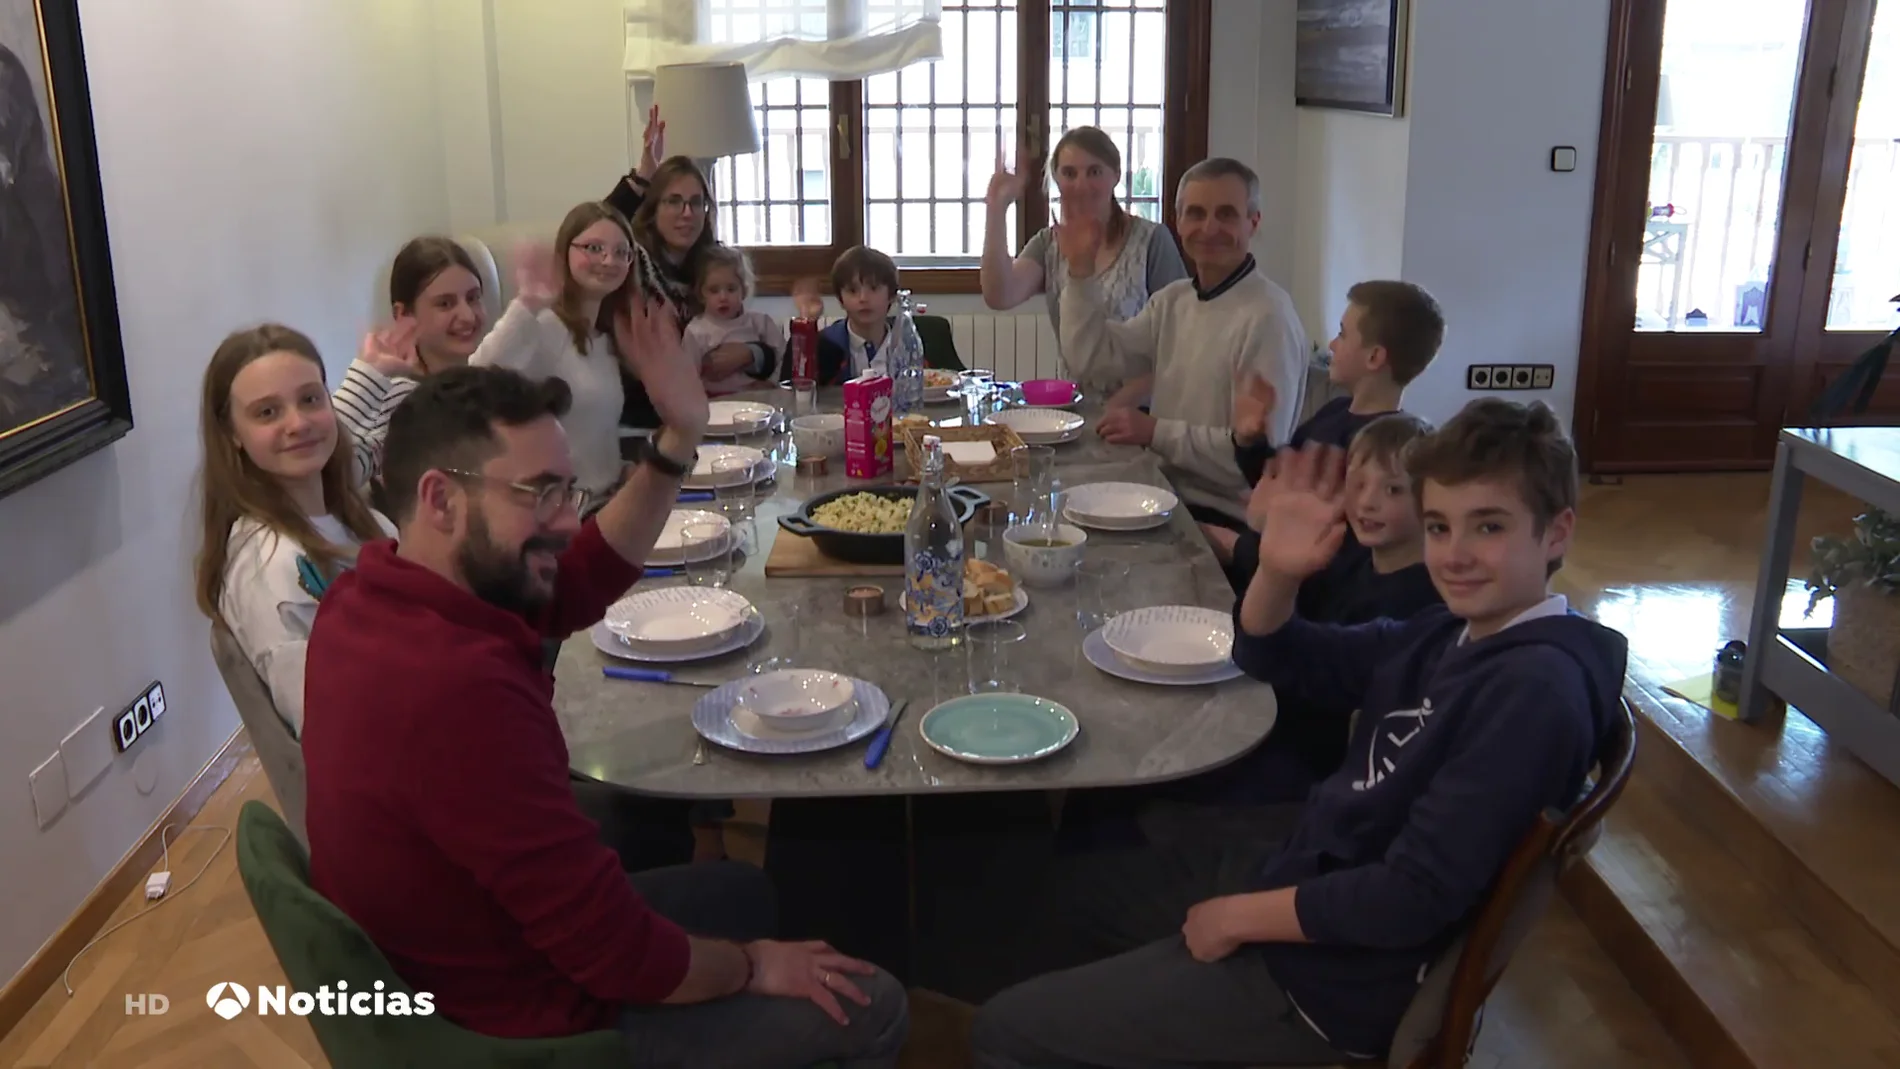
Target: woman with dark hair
column 280, row 517
column 435, row 296
column 671, row 209
column 1137, row 258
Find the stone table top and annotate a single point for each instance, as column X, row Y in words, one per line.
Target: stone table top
column 639, row 735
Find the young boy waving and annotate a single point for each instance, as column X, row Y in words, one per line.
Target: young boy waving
column 1473, row 718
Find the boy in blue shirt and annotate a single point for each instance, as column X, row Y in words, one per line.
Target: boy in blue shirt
column 866, row 282
column 1473, row 718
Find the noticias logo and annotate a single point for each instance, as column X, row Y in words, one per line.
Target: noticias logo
column 227, row 1000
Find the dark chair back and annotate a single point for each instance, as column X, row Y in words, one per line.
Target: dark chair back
column 1438, row 1029
column 940, row 347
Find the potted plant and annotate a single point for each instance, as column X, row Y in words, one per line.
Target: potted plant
column 1862, row 574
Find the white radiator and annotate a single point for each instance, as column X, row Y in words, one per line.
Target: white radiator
column 1014, row 346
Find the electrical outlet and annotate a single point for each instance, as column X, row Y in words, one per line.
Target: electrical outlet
column 1478, row 377
column 1520, row 376
column 137, row 718
column 1543, row 376
column 49, row 789
column 87, row 752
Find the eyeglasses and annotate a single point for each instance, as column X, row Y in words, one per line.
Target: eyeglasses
column 549, row 498
column 621, row 254
column 673, row 202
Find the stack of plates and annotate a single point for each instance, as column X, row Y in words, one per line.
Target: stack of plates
column 1177, row 645
column 671, row 549
column 731, row 417
column 726, row 716
column 702, row 477
column 1120, row 506
column 1040, row 426
column 681, row 623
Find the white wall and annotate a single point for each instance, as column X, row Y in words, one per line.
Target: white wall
column 1490, row 230
column 259, row 160
column 1252, row 119
column 1350, row 189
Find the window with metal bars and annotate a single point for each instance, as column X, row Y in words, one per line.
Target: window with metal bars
column 901, row 161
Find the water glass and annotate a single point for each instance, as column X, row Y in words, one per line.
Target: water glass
column 977, row 388
column 733, row 488
column 716, row 569
column 1033, row 493
column 1101, row 585
column 995, row 649
column 804, row 397
column 782, row 650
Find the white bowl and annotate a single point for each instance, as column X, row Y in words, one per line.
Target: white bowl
column 671, row 550
column 1172, row 639
column 819, row 435
column 677, row 620
column 1039, row 426
column 1043, row 565
column 725, row 417
column 800, row 700
column 1117, row 504
column 703, row 477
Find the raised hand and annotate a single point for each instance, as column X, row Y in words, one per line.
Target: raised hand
column 648, row 337
column 537, row 275
column 392, row 350
column 1254, row 398
column 808, row 298
column 1079, row 238
column 652, row 143
column 1299, row 508
column 1006, row 186
column 807, row 970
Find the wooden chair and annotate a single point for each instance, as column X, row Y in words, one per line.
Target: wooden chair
column 277, row 749
column 1442, row 1022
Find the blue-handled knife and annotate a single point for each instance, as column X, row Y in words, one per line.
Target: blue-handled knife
column 695, row 495
column 649, row 675
column 660, row 573
column 882, row 740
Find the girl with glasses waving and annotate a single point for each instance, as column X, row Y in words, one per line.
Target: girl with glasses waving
column 672, row 212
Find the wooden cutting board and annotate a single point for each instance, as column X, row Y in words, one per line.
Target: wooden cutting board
column 796, row 555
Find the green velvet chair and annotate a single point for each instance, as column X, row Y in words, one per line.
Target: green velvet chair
column 318, row 944
column 940, row 348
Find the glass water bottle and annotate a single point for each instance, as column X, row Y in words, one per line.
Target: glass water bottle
column 933, row 560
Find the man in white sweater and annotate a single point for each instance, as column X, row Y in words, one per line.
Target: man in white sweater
column 1183, row 353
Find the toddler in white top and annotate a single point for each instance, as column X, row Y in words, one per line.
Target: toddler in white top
column 725, row 281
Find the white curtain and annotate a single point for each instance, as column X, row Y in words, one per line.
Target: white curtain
column 837, row 39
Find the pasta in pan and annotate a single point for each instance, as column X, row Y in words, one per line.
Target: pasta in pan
column 865, row 514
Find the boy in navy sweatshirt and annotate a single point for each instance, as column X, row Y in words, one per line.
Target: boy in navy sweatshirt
column 1472, row 720
column 866, row 282
column 1388, row 336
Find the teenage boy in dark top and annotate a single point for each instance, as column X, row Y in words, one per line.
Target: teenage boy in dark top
column 1472, row 720
column 1388, row 336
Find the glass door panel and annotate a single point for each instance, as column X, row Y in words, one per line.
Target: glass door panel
column 1867, row 262
column 1730, row 70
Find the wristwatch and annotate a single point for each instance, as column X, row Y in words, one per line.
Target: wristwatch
column 650, row 454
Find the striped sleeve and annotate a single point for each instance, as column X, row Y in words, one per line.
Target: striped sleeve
column 363, row 402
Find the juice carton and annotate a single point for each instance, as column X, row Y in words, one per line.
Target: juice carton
column 867, row 426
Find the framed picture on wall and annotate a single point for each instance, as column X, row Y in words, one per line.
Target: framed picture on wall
column 1350, row 54
column 63, row 391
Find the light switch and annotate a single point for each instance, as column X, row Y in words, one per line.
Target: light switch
column 87, row 752
column 49, row 789
column 1563, row 158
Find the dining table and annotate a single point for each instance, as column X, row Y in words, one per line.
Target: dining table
column 829, row 809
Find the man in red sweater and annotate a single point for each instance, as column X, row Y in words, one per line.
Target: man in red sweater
column 441, row 818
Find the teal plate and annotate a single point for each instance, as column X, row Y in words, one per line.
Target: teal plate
column 998, row 729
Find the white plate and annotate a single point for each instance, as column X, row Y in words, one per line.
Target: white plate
column 1095, row 648
column 677, row 619
column 723, row 416
column 1040, row 426
column 1021, row 603
column 613, row 646
column 1172, row 639
column 701, row 477
column 713, row 719
column 1119, row 504
column 1146, row 524
column 671, row 551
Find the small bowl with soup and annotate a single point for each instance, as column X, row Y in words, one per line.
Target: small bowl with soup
column 1044, row 554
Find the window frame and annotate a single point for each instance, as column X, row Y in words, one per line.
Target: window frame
column 1184, row 120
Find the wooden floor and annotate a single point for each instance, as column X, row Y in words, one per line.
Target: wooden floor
column 1668, row 560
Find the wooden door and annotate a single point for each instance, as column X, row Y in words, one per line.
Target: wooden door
column 1688, row 213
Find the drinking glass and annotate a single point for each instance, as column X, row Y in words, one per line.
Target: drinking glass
column 784, row 639
column 995, row 648
column 716, row 569
column 977, row 389
column 1033, row 492
column 804, row 397
column 1101, row 585
column 735, row 493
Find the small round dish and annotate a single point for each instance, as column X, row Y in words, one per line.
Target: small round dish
column 998, row 729
column 799, row 700
column 1172, row 639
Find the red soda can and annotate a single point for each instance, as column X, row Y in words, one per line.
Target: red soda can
column 803, row 351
